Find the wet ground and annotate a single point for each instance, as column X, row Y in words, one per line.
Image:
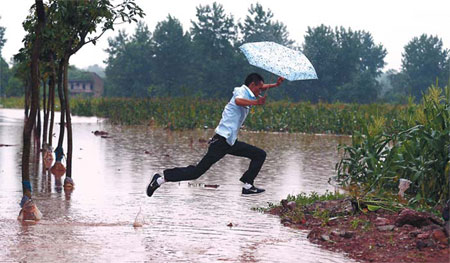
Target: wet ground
column 183, row 221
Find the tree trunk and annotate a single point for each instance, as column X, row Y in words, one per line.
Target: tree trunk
column 27, row 99
column 37, row 131
column 52, row 104
column 59, row 149
column 45, row 105
column 69, row 121
column 30, row 121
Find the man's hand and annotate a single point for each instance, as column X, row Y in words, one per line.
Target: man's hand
column 273, row 85
column 261, row 100
column 280, row 80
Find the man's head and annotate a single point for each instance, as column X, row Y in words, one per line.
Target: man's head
column 254, row 82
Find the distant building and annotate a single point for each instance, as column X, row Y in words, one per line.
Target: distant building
column 89, row 85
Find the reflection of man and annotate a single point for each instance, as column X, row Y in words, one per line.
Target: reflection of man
column 225, row 140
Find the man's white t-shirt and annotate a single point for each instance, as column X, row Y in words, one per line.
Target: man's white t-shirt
column 233, row 116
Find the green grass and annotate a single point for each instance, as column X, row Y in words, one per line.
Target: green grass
column 13, row 102
column 303, row 199
column 192, row 113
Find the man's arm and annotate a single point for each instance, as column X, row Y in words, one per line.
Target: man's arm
column 245, row 102
column 273, row 85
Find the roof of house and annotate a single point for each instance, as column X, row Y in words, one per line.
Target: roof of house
column 83, row 77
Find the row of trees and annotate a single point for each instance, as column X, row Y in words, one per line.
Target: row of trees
column 205, row 61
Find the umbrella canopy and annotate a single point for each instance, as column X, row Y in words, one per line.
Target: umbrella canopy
column 280, row 60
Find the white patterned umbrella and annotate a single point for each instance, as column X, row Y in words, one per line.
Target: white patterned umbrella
column 280, row 60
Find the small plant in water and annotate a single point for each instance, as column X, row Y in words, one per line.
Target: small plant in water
column 260, row 209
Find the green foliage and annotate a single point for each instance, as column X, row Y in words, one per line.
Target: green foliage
column 129, row 64
column 259, row 26
column 176, row 114
column 323, row 215
column 364, row 224
column 78, row 74
column 304, row 199
column 213, row 55
column 206, row 62
column 4, row 75
column 14, row 88
column 191, row 112
column 296, row 215
column 424, row 61
column 347, row 63
column 12, row 102
column 398, row 89
column 415, row 147
column 2, row 39
column 172, row 52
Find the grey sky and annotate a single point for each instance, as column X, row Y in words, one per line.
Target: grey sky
column 392, row 23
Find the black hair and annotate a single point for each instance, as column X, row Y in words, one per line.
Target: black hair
column 253, row 77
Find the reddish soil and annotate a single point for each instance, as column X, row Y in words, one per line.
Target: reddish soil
column 368, row 236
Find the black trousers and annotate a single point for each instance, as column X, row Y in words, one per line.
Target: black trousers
column 217, row 149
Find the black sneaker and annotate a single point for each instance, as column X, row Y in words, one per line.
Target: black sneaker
column 153, row 185
column 252, row 190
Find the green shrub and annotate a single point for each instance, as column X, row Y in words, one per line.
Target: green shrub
column 416, row 147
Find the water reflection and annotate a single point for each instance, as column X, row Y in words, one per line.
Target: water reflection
column 184, row 222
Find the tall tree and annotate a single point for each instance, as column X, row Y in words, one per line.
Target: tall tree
column 347, row 63
column 399, row 87
column 31, row 120
column 115, row 82
column 212, row 36
column 424, row 60
column 360, row 62
column 259, row 26
column 172, row 57
column 130, row 63
column 73, row 24
column 321, row 47
column 79, row 23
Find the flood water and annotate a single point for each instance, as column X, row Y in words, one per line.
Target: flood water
column 184, row 222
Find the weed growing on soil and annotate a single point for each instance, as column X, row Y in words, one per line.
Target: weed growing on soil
column 304, row 199
column 323, row 215
column 364, row 224
column 295, row 216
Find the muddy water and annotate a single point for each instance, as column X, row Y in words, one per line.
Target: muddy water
column 184, row 221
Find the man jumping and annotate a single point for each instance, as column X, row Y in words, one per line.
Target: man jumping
column 225, row 140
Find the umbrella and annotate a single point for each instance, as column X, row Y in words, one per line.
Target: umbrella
column 280, row 60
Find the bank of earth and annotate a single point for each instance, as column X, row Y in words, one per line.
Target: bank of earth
column 370, row 236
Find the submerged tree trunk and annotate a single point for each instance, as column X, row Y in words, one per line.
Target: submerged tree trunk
column 30, row 121
column 59, row 149
column 37, row 132
column 52, row 103
column 45, row 105
column 69, row 121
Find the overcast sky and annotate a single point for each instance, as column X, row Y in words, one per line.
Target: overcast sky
column 393, row 23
